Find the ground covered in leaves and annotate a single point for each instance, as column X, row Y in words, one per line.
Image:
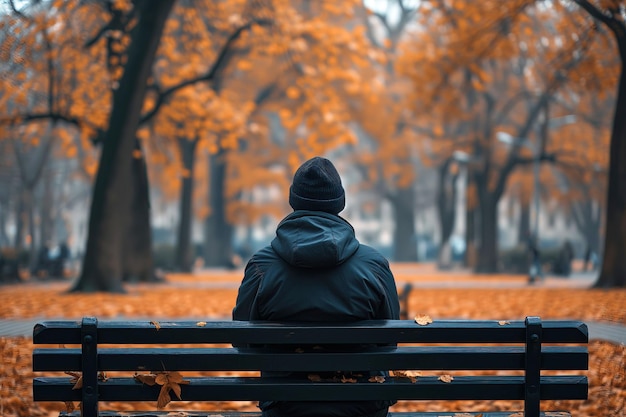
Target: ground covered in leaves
column 212, row 296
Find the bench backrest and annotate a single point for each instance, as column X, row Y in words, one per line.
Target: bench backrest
column 467, row 346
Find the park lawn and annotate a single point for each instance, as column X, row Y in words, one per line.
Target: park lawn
column 213, row 296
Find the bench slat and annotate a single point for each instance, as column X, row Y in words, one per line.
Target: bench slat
column 419, row 358
column 378, row 331
column 285, row 389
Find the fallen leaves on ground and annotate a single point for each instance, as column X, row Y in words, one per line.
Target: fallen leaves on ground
column 180, row 298
column 187, row 296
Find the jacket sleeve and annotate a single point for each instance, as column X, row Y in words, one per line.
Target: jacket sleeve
column 390, row 308
column 247, row 291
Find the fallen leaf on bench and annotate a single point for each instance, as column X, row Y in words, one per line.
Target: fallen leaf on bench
column 148, row 379
column 517, row 415
column 169, row 381
column 423, row 320
column 378, row 378
column 503, row 322
column 77, row 379
column 164, row 398
column 201, row 323
column 102, row 376
column 446, row 378
column 156, row 324
column 412, row 375
column 314, row 377
column 345, row 379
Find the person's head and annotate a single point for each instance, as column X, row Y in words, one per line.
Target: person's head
column 317, row 186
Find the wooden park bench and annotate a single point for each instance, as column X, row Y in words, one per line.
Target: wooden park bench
column 441, row 350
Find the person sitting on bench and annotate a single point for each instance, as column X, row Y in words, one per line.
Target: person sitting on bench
column 315, row 270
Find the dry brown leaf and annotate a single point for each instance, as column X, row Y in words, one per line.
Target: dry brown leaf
column 148, row 379
column 102, row 376
column 77, row 379
column 423, row 320
column 201, row 323
column 446, row 378
column 517, row 415
column 164, row 397
column 156, row 324
column 412, row 375
column 378, row 378
column 169, row 381
column 177, row 390
column 314, row 377
column 503, row 322
column 69, row 406
column 345, row 379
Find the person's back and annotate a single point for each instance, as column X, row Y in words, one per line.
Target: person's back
column 316, row 270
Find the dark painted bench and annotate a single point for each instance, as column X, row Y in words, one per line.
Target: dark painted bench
column 441, row 347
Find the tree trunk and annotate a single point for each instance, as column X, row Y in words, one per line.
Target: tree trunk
column 46, row 218
column 218, row 232
column 138, row 261
column 446, row 207
column 184, row 250
column 112, row 201
column 404, row 242
column 487, row 262
column 30, row 210
column 523, row 231
column 613, row 270
column 20, row 214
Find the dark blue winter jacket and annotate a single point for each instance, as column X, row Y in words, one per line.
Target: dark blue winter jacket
column 316, row 270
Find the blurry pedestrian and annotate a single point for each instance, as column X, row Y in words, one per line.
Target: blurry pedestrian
column 43, row 261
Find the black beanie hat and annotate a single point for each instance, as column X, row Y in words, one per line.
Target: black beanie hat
column 317, row 186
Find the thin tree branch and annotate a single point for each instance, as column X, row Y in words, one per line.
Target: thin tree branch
column 210, row 75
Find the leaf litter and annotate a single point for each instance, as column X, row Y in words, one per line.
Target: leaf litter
column 607, row 387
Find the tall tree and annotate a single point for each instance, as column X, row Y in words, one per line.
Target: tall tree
column 111, row 207
column 613, row 270
column 512, row 73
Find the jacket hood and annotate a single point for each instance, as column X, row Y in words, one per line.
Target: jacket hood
column 314, row 239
